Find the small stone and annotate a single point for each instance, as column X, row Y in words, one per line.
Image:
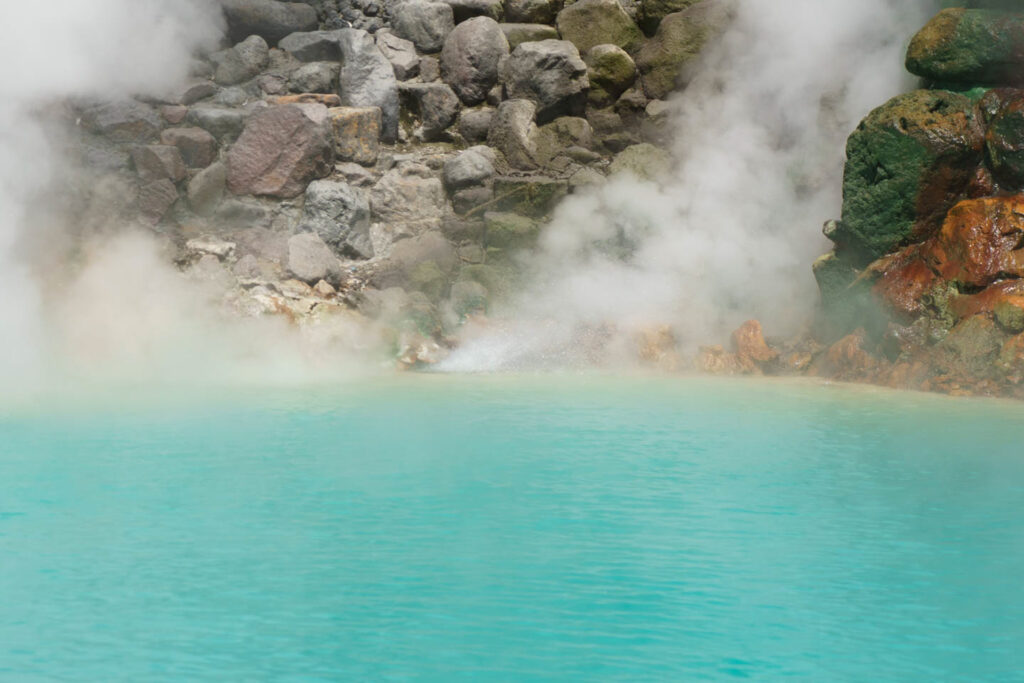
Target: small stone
column 434, row 105
column 474, row 124
column 198, row 148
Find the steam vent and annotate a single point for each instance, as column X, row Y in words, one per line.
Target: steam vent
column 923, row 288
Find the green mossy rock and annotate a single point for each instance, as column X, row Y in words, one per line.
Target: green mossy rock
column 651, row 12
column 534, row 196
column 970, row 46
column 509, row 231
column 645, row 161
column 679, row 39
column 907, row 163
column 587, row 23
column 611, row 72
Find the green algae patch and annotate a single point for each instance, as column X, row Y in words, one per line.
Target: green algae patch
column 975, row 46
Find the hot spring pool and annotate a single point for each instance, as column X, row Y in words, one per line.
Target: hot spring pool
column 515, row 528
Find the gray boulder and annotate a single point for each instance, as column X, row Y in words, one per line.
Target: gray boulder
column 474, row 166
column 340, row 215
column 551, row 74
column 471, row 56
column 426, row 24
column 312, row 46
column 280, row 151
column 241, row 62
column 124, row 121
column 269, row 19
column 366, row 79
column 400, row 52
column 474, row 123
column 318, row 77
column 310, row 260
column 434, row 106
column 513, row 132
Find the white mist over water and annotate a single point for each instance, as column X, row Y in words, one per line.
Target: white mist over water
column 731, row 233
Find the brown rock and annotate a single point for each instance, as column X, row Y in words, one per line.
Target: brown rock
column 198, row 148
column 750, row 344
column 979, row 241
column 155, row 162
column 278, row 153
column 355, row 133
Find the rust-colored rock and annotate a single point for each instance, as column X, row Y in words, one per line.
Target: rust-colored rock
column 326, row 99
column 979, row 241
column 748, row 339
column 278, row 153
column 355, row 133
column 847, row 360
column 657, row 346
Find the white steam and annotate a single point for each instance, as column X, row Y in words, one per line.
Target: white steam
column 759, row 137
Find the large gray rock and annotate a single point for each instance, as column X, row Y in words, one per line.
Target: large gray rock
column 280, row 151
column 269, row 19
column 124, row 121
column 400, row 52
column 549, row 73
column 310, row 260
column 312, row 46
column 318, row 77
column 409, row 195
column 241, row 62
column 474, row 166
column 513, row 132
column 434, row 106
column 587, row 23
column 367, row 79
column 340, row 215
column 426, row 24
column 474, row 123
column 471, row 56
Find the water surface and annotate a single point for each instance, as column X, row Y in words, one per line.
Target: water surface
column 514, row 528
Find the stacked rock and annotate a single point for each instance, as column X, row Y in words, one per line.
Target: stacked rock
column 395, row 155
column 929, row 251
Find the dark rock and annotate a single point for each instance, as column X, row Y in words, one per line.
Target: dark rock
column 474, row 124
column 315, row 77
column 434, row 105
column 555, row 138
column 241, row 62
column 551, row 74
column 907, row 163
column 470, row 58
column 509, row 231
column 222, row 123
column 280, row 151
column 194, row 91
column 586, row 23
column 464, row 10
column 267, row 18
column 534, row 196
column 368, row 80
column 532, row 11
column 970, row 47
column 1004, row 138
column 157, row 162
column 651, row 12
column 198, row 148
column 464, row 201
column 426, row 24
column 340, row 215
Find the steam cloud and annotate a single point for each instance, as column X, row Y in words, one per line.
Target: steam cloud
column 731, row 233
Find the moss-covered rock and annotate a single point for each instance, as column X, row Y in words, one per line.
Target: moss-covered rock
column 534, row 196
column 650, row 12
column 587, row 23
column 679, row 39
column 970, row 46
column 645, row 161
column 509, row 230
column 611, row 72
column 907, row 163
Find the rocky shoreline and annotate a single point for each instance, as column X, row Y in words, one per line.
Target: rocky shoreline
column 390, row 162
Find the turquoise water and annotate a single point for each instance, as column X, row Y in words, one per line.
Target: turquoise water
column 488, row 528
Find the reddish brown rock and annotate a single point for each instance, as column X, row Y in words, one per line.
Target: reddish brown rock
column 280, row 151
column 748, row 339
column 155, row 162
column 904, row 280
column 198, row 148
column 979, row 241
column 355, row 133
column 1005, row 293
column 847, row 360
column 174, row 113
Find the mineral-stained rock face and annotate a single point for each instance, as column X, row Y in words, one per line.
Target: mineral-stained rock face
column 269, row 19
column 355, row 132
column 280, row 151
column 470, row 58
column 551, row 74
column 970, row 46
column 908, row 162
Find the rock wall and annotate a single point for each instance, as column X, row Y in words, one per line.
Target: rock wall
column 924, row 288
column 392, row 158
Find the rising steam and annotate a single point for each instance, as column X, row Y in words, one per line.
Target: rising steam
column 731, row 232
